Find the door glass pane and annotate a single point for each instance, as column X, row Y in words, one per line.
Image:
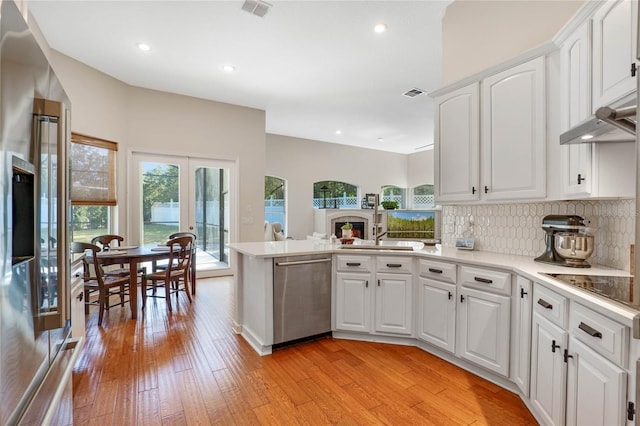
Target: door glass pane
column 211, row 216
column 160, row 201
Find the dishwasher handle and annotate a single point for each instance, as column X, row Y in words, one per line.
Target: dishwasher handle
column 303, row 262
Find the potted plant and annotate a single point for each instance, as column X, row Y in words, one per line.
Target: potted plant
column 347, row 230
column 389, row 205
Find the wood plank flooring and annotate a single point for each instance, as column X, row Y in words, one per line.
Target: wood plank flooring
column 189, row 368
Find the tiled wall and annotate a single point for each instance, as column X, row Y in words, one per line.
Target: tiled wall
column 516, row 228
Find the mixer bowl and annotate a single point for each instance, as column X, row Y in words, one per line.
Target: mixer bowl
column 574, row 247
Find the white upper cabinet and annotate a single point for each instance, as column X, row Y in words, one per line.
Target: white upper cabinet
column 614, row 51
column 457, row 145
column 595, row 70
column 575, row 83
column 513, row 133
column 494, row 129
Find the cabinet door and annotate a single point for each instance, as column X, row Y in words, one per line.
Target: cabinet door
column 394, row 297
column 575, row 67
column 548, row 370
column 513, row 133
column 353, row 302
column 596, row 388
column 614, row 48
column 483, row 329
column 437, row 313
column 522, row 334
column 78, row 322
column 457, row 142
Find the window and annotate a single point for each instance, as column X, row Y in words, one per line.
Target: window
column 93, row 185
column 335, row 195
column 274, row 200
column 422, row 197
column 393, row 193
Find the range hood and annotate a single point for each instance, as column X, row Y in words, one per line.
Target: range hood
column 608, row 125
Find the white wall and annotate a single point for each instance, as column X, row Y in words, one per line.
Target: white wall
column 478, row 34
column 301, row 162
column 420, row 171
column 139, row 118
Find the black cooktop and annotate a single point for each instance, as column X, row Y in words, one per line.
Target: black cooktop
column 619, row 289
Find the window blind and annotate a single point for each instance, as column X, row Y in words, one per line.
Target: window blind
column 93, row 171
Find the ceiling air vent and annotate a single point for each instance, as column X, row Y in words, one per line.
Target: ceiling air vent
column 413, row 93
column 256, row 7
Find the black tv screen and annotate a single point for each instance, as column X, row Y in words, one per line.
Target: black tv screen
column 413, row 224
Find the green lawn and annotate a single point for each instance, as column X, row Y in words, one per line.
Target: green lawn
column 154, row 233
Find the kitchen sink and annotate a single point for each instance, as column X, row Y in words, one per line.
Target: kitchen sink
column 384, row 246
column 372, row 247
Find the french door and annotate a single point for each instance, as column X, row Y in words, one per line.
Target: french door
column 177, row 193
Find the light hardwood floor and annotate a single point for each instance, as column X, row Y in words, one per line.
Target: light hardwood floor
column 189, row 368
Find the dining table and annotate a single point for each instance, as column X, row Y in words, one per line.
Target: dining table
column 136, row 255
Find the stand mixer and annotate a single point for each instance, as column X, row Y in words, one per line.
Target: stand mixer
column 568, row 242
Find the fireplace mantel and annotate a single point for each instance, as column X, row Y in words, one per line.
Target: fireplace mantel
column 324, row 220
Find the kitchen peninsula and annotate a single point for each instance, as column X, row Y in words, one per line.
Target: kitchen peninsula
column 492, row 314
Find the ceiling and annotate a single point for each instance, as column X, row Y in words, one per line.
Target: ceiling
column 315, row 67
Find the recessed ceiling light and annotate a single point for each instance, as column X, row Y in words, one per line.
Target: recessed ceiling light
column 380, row 28
column 228, row 68
column 586, row 137
column 338, row 132
column 144, row 47
column 380, row 140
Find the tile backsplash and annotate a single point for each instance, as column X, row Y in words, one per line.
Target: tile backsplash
column 516, row 228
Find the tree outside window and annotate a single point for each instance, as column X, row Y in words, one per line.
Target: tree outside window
column 274, row 200
column 334, row 194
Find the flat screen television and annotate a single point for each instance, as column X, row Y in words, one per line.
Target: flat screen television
column 413, row 224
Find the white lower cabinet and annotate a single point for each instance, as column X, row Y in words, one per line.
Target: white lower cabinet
column 380, row 302
column 596, row 388
column 577, row 363
column 569, row 360
column 78, row 325
column 522, row 334
column 483, row 329
column 394, row 298
column 353, row 302
column 548, row 370
column 437, row 319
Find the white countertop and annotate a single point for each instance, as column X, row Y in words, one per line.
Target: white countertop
column 521, row 265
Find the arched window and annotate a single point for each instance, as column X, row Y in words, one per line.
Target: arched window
column 393, row 193
column 422, row 197
column 329, row 194
column 274, row 200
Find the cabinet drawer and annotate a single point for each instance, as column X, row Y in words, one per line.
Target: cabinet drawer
column 438, row 270
column 399, row 265
column 486, row 279
column 347, row 263
column 603, row 335
column 550, row 305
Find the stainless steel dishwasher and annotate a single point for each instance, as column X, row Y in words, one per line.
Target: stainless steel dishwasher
column 301, row 297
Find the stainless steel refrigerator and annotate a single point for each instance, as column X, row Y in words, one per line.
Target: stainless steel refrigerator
column 34, row 261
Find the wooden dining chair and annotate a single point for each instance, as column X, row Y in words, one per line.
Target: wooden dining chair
column 176, row 276
column 112, row 242
column 163, row 266
column 95, row 281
